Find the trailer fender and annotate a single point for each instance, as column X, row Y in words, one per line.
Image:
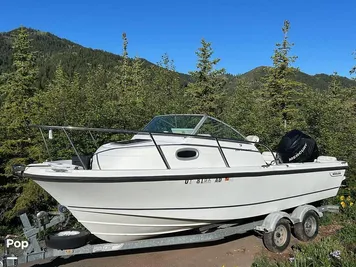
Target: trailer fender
column 299, row 212
column 269, row 223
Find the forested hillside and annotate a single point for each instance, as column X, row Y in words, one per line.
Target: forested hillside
column 50, row 50
column 317, row 81
column 48, row 80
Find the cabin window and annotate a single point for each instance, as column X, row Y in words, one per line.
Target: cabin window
column 187, row 154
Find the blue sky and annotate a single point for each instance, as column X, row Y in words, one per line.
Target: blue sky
column 243, row 33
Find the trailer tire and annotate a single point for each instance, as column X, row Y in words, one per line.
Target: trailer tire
column 67, row 239
column 279, row 239
column 307, row 229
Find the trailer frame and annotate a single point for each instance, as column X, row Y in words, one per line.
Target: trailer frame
column 36, row 252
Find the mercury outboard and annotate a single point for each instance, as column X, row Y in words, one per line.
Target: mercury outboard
column 296, row 146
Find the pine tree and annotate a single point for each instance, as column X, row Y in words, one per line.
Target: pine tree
column 205, row 94
column 96, row 97
column 282, row 95
column 338, row 121
column 117, row 87
column 353, row 70
column 17, row 141
column 138, row 83
column 15, row 110
column 125, row 67
column 19, row 85
column 127, row 90
column 52, row 105
column 243, row 110
column 166, row 93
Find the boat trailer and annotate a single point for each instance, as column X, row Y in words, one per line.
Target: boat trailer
column 266, row 226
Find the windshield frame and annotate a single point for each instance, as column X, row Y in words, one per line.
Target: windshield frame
column 199, row 124
column 193, row 132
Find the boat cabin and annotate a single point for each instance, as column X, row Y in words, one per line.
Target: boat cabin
column 180, row 141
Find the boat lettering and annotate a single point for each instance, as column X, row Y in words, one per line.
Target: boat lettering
column 204, row 181
column 299, row 153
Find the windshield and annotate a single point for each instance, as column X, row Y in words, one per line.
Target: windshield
column 193, row 124
column 182, row 124
column 218, row 129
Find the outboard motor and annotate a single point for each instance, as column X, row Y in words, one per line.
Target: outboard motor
column 296, row 146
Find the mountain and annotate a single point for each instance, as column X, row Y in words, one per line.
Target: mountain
column 317, row 81
column 51, row 50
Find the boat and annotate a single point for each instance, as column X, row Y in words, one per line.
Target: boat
column 178, row 173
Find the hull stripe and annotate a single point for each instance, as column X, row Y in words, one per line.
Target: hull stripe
column 78, row 179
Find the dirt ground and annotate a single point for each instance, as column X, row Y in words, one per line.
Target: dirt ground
column 238, row 251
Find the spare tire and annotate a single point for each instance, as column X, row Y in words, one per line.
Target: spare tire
column 67, row 239
column 296, row 146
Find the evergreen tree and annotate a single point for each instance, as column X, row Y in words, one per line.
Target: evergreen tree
column 127, row 90
column 282, row 95
column 331, row 121
column 17, row 142
column 166, row 94
column 338, row 121
column 96, row 97
column 117, row 88
column 205, row 94
column 15, row 111
column 139, row 75
column 353, row 70
column 125, row 67
column 52, row 105
column 243, row 111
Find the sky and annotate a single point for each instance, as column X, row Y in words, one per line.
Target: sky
column 243, row 33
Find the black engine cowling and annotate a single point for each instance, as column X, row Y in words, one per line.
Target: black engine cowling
column 296, row 146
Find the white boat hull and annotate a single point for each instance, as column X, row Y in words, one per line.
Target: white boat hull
column 130, row 205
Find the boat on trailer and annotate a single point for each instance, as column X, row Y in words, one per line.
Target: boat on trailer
column 179, row 173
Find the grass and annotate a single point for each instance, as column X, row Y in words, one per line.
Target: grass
column 331, row 251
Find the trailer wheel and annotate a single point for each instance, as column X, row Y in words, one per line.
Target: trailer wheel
column 278, row 240
column 67, row 239
column 307, row 229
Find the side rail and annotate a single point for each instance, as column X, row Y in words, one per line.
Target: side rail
column 65, row 130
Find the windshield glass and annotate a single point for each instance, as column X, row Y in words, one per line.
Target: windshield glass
column 182, row 124
column 215, row 128
column 193, row 124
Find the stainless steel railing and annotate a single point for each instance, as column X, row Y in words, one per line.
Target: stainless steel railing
column 149, row 133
